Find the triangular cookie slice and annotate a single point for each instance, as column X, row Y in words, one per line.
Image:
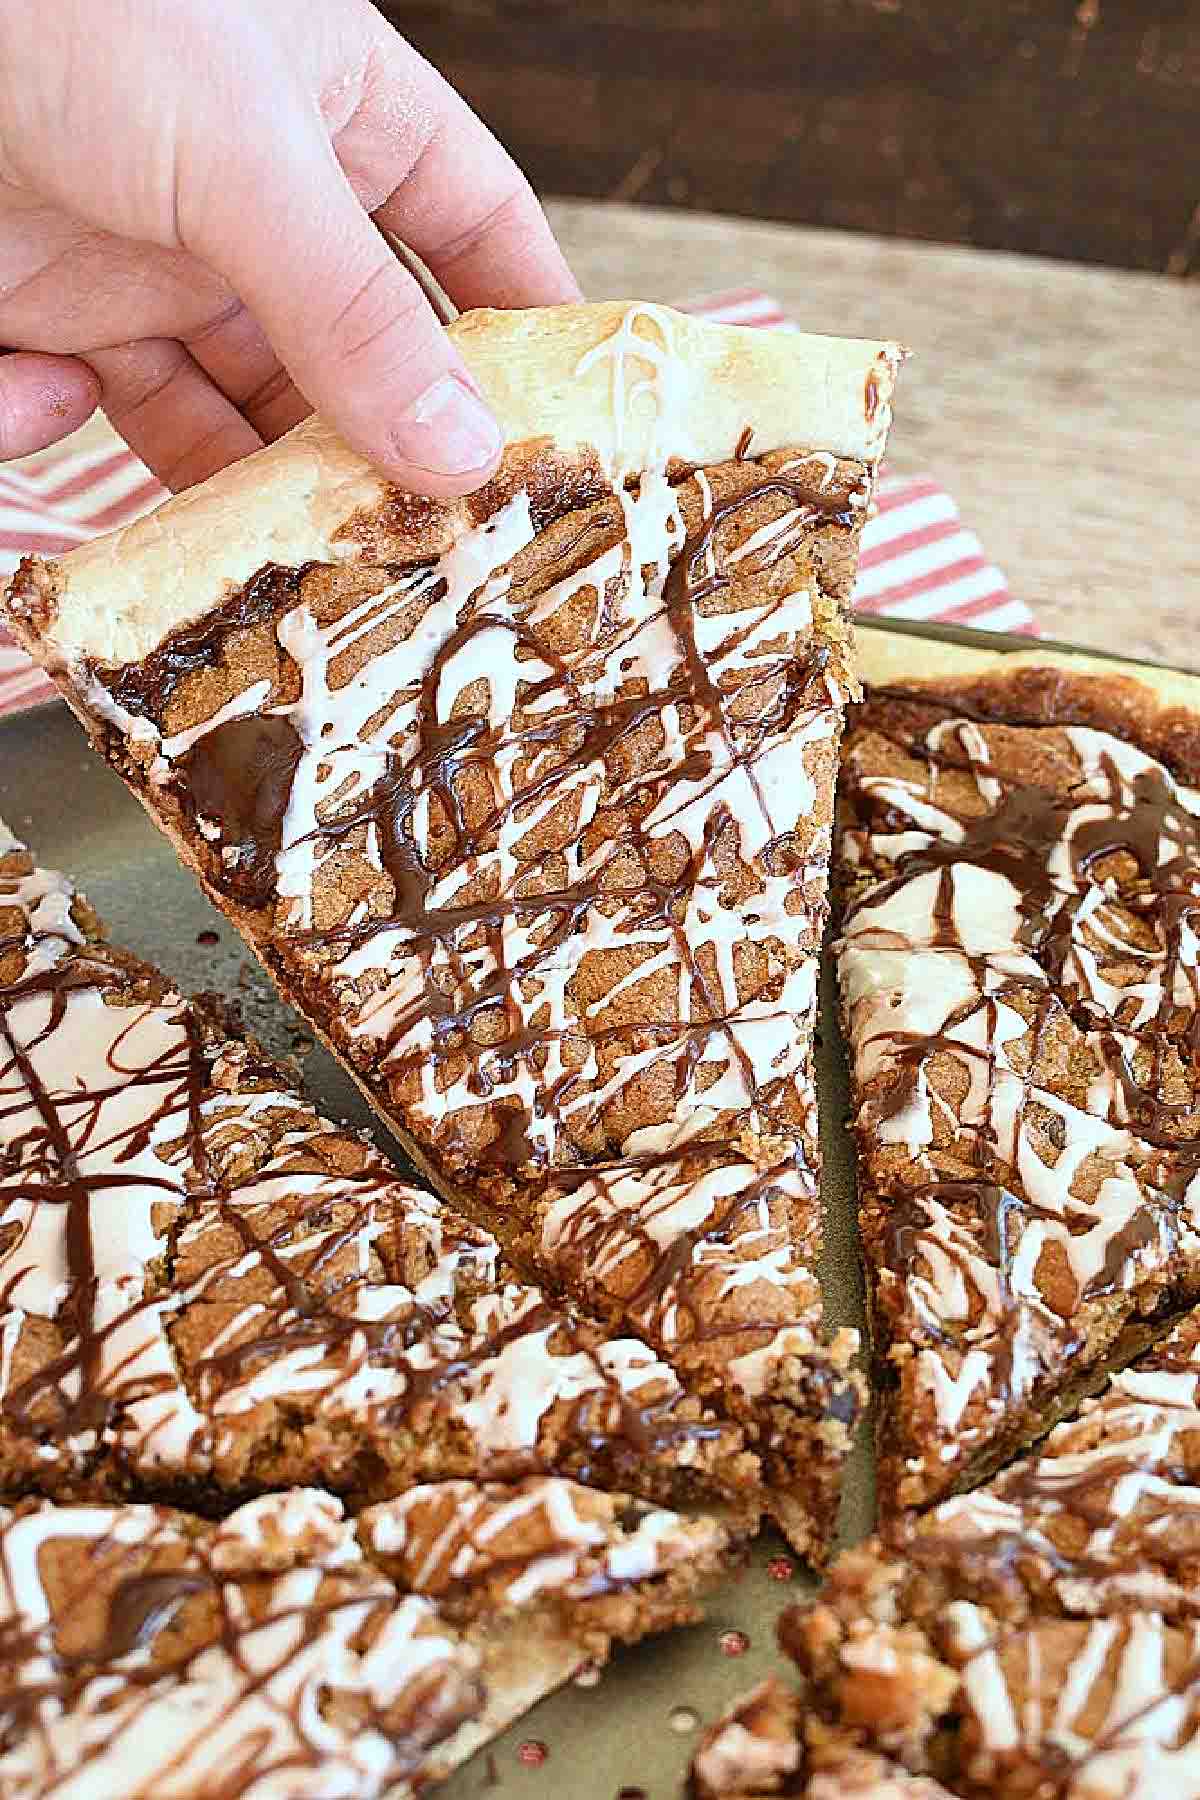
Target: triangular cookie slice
column 526, row 800
column 1020, row 858
column 1042, row 1634
column 207, row 1290
column 279, row 1651
column 1100, row 1519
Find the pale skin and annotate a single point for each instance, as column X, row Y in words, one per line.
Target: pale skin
column 190, row 192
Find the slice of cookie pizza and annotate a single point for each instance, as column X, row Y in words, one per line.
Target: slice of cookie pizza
column 278, row 1654
column 525, row 801
column 1019, row 859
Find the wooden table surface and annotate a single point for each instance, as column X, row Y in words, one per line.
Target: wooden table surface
column 1059, row 404
column 1052, row 127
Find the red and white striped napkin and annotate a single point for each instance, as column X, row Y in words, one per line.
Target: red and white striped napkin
column 918, row 560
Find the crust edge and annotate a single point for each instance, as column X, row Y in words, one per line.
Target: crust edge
column 583, row 393
column 1156, row 709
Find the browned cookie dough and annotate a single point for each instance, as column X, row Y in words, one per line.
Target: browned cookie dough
column 593, row 1566
column 207, row 1290
column 526, row 802
column 275, row 1655
column 767, row 1744
column 1020, row 992
column 1041, row 1635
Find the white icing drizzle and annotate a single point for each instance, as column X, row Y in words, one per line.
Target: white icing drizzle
column 246, row 702
column 1140, row 1742
column 349, row 1295
column 105, row 1072
column 942, row 953
column 741, row 1232
column 545, row 1536
column 522, row 984
column 881, row 1782
column 738, row 1761
column 348, row 732
column 247, row 1702
column 1107, row 1511
column 1062, row 1598
column 663, row 390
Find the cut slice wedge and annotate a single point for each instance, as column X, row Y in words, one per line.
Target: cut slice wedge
column 525, row 801
column 1040, row 1635
column 208, row 1291
column 273, row 1652
column 1020, row 863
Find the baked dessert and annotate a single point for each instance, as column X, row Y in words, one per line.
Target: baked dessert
column 1019, row 860
column 764, row 1744
column 207, row 1290
column 525, row 802
column 276, row 1654
column 1100, row 1521
column 753, row 1748
column 1037, row 1636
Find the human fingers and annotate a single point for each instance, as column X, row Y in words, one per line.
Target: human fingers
column 169, row 412
column 461, row 202
column 345, row 318
column 235, row 352
column 42, row 399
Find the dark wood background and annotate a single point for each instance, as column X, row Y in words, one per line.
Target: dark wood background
column 1067, row 129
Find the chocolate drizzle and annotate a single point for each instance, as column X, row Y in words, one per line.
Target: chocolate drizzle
column 1100, row 987
column 142, row 1605
column 49, row 1173
column 240, row 779
column 477, row 877
column 206, row 1680
column 240, row 775
column 151, row 685
column 265, row 1205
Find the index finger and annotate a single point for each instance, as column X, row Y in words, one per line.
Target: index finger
column 462, row 204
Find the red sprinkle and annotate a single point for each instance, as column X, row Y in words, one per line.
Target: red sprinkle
column 532, row 1753
column 781, row 1568
column 734, row 1643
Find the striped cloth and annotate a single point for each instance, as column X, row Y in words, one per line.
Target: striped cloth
column 918, row 560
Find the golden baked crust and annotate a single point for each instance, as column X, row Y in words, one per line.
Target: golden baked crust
column 1157, row 709
column 1020, row 861
column 578, row 394
column 526, row 803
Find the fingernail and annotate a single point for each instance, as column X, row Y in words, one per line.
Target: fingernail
column 448, row 430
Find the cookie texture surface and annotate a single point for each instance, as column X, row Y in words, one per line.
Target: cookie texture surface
column 1038, row 1636
column 271, row 1656
column 769, row 1742
column 1019, row 861
column 208, row 1290
column 526, row 803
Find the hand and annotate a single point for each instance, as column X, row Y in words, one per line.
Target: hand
column 187, row 190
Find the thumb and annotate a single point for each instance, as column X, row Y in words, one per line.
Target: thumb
column 351, row 325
